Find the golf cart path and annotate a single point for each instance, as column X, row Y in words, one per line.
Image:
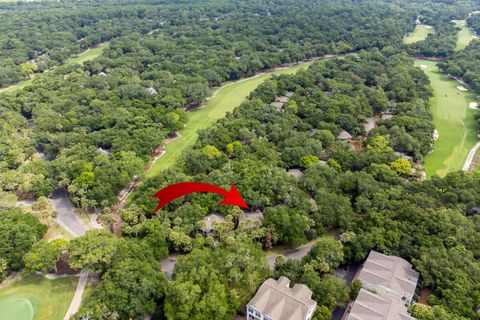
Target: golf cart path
column 470, row 157
column 77, row 297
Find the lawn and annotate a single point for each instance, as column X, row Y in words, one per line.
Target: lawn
column 420, row 33
column 36, row 297
column 453, row 120
column 464, row 36
column 87, row 55
column 225, row 99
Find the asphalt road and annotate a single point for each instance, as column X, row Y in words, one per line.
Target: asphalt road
column 295, row 254
column 66, row 217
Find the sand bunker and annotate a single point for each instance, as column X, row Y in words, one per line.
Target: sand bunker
column 423, row 66
column 473, row 105
column 435, row 135
column 428, row 27
column 462, row 88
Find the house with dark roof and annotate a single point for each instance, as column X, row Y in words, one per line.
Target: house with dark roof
column 275, row 300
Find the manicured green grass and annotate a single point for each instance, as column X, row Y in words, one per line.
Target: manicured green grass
column 87, row 55
column 420, row 33
column 464, row 36
column 226, row 98
column 453, row 120
column 35, row 297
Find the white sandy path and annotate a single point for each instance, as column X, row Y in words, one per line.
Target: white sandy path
column 77, row 298
column 470, row 157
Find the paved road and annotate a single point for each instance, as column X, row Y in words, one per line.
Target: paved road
column 67, row 218
column 77, row 297
column 295, row 254
column 470, row 157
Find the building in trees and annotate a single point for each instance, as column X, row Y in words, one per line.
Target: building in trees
column 209, row 222
column 389, row 284
column 275, row 300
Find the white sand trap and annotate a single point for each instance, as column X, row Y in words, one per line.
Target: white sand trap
column 473, row 105
column 462, row 88
column 435, row 135
column 474, row 37
column 428, row 27
column 423, row 66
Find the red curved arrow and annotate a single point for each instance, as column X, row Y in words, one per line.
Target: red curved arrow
column 177, row 190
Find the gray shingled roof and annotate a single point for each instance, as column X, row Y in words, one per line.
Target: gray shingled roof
column 209, row 221
column 344, row 135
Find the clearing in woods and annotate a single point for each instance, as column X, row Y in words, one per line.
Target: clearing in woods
column 420, row 33
column 465, row 36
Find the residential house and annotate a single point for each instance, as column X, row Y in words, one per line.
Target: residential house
column 275, row 300
column 209, row 222
column 345, row 136
column 389, row 285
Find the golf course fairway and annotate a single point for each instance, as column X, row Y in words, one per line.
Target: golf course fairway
column 86, row 55
column 224, row 99
column 420, row 33
column 36, row 297
column 453, row 120
column 464, row 36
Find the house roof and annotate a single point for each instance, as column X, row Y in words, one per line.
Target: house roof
column 209, row 221
column 255, row 216
column 344, row 135
column 276, row 104
column 390, row 272
column 296, row 173
column 370, row 306
column 277, row 300
column 283, row 99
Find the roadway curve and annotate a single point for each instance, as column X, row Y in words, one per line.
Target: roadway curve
column 470, row 157
column 66, row 217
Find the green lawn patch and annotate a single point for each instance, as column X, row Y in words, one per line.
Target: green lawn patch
column 420, row 33
column 465, row 36
column 36, row 297
column 453, row 120
column 225, row 99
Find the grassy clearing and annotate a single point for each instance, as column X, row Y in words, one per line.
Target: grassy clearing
column 453, row 120
column 225, row 99
column 465, row 36
column 36, row 297
column 420, row 33
column 87, row 55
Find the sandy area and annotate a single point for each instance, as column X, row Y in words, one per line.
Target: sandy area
column 423, row 66
column 435, row 135
column 428, row 27
column 473, row 105
column 462, row 88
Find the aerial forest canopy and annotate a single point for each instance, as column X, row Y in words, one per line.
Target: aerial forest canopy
column 76, row 110
column 313, row 165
